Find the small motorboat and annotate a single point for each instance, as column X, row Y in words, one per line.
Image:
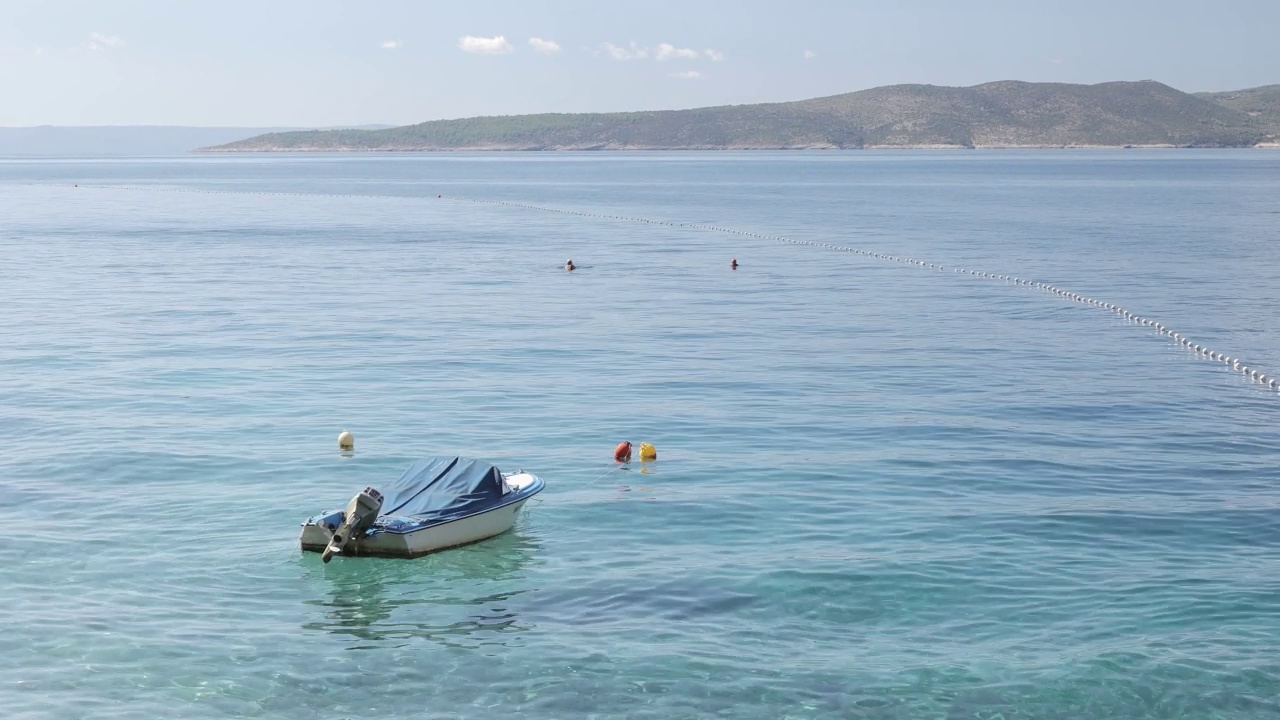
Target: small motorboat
column 439, row 502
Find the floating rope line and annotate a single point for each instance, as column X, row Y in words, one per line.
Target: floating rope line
column 1200, row 350
column 603, row 475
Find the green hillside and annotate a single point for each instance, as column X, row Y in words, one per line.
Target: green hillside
column 999, row 114
column 1260, row 103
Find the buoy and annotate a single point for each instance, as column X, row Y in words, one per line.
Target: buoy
column 622, row 453
column 346, row 441
column 648, row 452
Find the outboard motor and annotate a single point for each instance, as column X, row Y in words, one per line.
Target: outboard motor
column 356, row 519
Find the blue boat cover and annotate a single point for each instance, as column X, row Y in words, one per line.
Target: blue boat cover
column 443, row 487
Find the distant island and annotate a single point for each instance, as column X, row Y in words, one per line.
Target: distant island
column 1007, row 114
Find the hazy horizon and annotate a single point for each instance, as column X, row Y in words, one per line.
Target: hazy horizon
column 78, row 63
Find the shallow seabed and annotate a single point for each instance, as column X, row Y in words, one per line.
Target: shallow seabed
column 882, row 491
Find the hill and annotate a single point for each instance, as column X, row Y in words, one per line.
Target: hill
column 998, row 114
column 119, row 140
column 1260, row 103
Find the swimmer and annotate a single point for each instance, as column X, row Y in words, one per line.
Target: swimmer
column 734, row 265
column 568, row 265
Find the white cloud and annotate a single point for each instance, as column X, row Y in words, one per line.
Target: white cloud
column 496, row 45
column 546, row 47
column 635, row 52
column 98, row 41
column 809, row 54
column 662, row 52
column 667, row 51
column 687, row 75
column 391, row 44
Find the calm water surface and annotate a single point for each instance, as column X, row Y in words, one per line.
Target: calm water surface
column 882, row 491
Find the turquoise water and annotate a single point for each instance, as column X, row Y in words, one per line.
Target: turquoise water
column 883, row 491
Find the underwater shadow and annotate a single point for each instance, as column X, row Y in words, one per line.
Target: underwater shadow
column 457, row 598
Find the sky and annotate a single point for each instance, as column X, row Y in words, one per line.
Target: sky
column 317, row 63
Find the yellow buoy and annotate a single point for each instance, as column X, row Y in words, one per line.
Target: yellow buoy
column 648, row 452
column 346, row 441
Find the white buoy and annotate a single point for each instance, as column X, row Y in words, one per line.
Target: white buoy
column 346, row 441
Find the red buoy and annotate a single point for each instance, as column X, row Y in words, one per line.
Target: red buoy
column 622, row 453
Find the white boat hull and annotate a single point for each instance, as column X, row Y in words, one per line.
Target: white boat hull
column 429, row 538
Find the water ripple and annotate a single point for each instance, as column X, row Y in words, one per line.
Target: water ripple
column 881, row 492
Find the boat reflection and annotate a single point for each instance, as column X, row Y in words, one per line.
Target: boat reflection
column 458, row 598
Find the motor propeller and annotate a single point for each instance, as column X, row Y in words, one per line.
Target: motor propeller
column 356, row 519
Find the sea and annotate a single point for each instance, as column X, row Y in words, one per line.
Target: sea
column 900, row 472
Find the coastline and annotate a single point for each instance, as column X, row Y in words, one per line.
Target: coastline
column 1269, row 145
column 992, row 116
